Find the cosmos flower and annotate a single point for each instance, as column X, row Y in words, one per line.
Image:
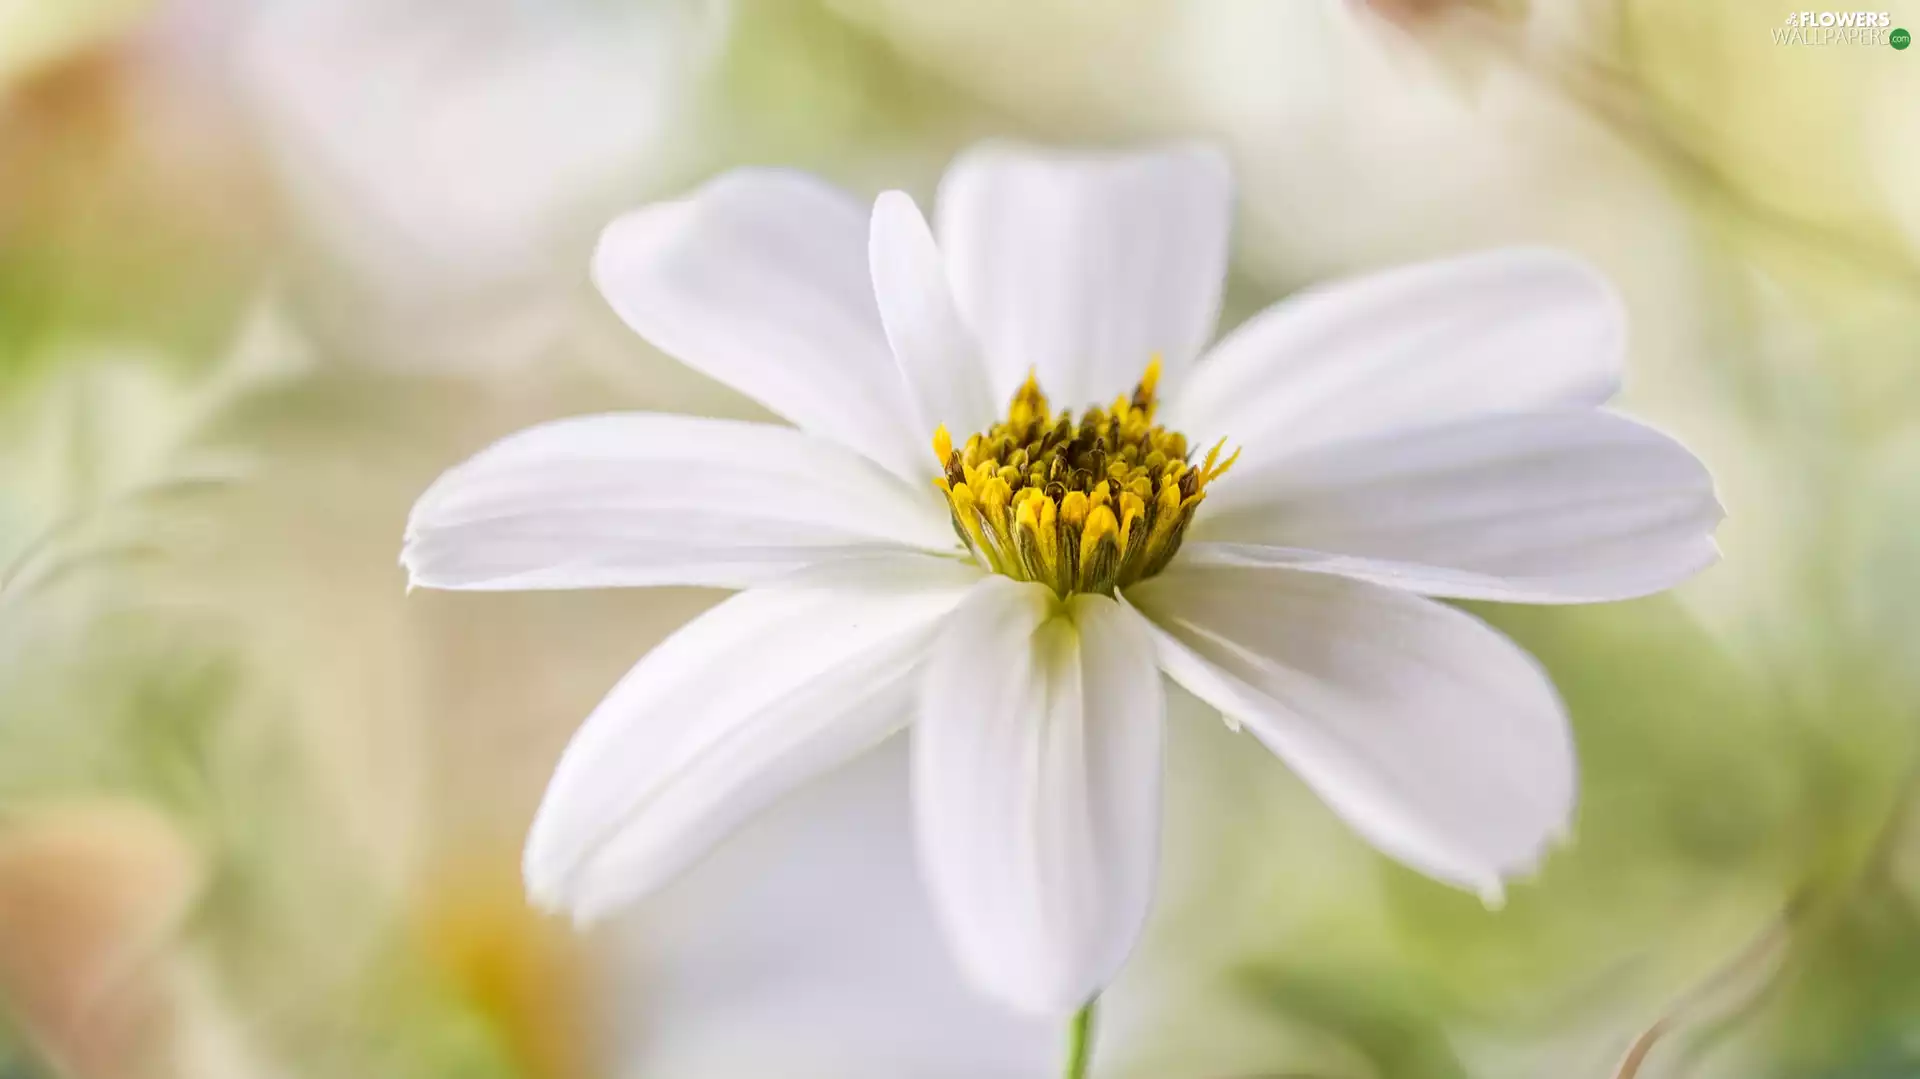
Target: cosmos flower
column 450, row 179
column 1019, row 487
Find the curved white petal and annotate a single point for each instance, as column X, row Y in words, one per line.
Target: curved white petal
column 759, row 279
column 1433, row 736
column 763, row 692
column 651, row 499
column 1416, row 346
column 1557, row 507
column 1085, row 267
column 1036, row 770
column 935, row 350
column 805, row 947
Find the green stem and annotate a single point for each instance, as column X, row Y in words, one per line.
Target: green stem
column 1080, row 1044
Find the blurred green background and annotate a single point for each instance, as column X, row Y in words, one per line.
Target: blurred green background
column 268, row 266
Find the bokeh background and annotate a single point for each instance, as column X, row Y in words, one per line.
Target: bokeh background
column 267, row 266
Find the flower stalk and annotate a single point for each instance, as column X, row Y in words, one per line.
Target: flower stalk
column 1080, row 1043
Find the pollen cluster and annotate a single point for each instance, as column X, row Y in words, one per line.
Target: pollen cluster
column 1079, row 505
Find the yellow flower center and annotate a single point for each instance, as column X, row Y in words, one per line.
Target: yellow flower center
column 1087, row 505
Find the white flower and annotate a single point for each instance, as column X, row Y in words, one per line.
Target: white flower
column 472, row 141
column 1432, row 431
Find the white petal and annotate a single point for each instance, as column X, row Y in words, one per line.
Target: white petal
column 1036, row 762
column 761, row 693
column 1421, row 345
column 650, row 499
column 935, row 350
column 1086, row 267
column 759, row 279
column 1559, row 507
column 805, row 947
column 1433, row 736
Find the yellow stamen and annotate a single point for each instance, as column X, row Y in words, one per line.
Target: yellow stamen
column 1144, row 396
column 1073, row 509
column 1081, row 504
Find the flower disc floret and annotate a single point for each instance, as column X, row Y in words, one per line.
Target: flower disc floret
column 1080, row 505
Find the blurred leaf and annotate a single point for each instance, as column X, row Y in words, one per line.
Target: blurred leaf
column 16, row 1062
column 801, row 86
column 1848, row 1007
column 1386, row 1022
column 98, row 456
